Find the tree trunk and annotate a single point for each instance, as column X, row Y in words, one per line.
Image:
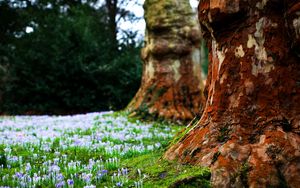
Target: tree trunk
column 171, row 85
column 249, row 131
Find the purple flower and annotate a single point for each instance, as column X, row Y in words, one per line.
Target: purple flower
column 77, row 142
column 60, row 184
column 19, row 175
column 28, row 167
column 60, row 177
column 54, row 168
column 102, row 173
column 119, row 184
column 70, row 182
column 124, row 171
column 87, row 177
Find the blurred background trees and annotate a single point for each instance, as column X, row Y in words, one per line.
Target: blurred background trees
column 60, row 56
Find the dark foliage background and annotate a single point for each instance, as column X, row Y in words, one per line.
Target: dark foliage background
column 68, row 64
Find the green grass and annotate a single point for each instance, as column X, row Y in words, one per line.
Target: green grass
column 146, row 168
column 161, row 173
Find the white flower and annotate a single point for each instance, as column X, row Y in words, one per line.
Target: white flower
column 7, row 150
column 54, row 168
column 89, row 186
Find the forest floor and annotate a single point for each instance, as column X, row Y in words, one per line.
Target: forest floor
column 105, row 149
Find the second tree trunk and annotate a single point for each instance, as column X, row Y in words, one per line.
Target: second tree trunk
column 171, row 85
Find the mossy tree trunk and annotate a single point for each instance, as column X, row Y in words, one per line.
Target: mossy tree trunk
column 249, row 133
column 171, row 85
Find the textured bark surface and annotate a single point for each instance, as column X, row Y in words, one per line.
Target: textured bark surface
column 171, row 85
column 249, row 133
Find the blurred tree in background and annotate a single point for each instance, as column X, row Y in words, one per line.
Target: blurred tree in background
column 59, row 57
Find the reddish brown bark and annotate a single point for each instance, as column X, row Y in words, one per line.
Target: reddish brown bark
column 171, row 85
column 249, row 131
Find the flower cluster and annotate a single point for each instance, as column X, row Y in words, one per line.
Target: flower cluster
column 74, row 151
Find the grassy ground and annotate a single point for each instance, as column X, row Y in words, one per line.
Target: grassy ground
column 92, row 150
column 161, row 173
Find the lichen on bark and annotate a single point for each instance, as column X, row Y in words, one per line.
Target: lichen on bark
column 249, row 133
column 171, row 85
